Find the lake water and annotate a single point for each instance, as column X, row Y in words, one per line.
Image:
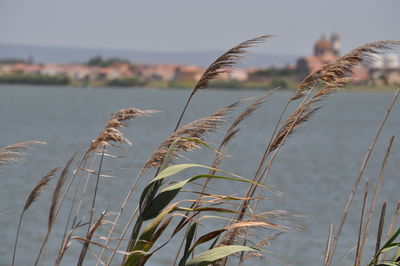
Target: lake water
column 315, row 169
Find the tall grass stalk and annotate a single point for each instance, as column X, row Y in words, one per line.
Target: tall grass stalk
column 358, row 177
column 86, row 244
column 43, row 182
column 375, row 198
column 360, row 230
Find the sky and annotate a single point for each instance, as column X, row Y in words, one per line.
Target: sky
column 186, row 25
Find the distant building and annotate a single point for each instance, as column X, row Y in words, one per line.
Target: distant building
column 238, row 74
column 188, row 73
column 385, row 70
column 381, row 70
column 165, row 72
column 325, row 51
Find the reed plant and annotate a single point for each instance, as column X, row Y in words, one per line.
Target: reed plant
column 177, row 206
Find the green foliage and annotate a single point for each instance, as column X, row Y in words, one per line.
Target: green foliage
column 35, row 79
column 155, row 207
column 280, row 82
column 211, row 255
column 181, row 84
column 231, row 84
column 102, row 62
column 389, row 245
column 126, row 82
column 275, row 72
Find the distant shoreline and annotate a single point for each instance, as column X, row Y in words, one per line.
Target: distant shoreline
column 350, row 88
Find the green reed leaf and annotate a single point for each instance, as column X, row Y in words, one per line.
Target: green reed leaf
column 211, row 255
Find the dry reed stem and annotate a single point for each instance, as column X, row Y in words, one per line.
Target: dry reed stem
column 56, row 194
column 127, row 197
column 88, row 235
column 380, row 231
column 124, row 231
column 33, row 196
column 111, row 133
column 332, row 76
column 65, row 245
column 54, row 202
column 251, row 190
column 376, row 193
column 234, row 128
column 221, row 65
column 392, row 225
column 195, row 130
column 65, row 241
column 358, row 177
column 358, row 256
column 217, row 67
column 395, row 216
column 229, row 135
column 328, row 243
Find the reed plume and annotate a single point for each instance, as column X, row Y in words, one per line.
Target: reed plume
column 338, row 73
column 54, row 204
column 234, row 128
column 331, row 76
column 116, row 121
column 195, row 130
column 227, row 60
column 222, row 65
column 33, row 196
column 43, row 182
column 12, row 153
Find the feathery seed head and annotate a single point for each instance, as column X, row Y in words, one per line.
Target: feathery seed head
column 338, row 73
column 117, row 120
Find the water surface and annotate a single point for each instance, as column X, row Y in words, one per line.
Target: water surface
column 315, row 169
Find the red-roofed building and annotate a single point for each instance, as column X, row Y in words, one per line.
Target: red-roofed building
column 165, row 72
column 324, row 52
column 189, row 73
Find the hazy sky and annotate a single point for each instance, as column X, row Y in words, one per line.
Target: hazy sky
column 177, row 25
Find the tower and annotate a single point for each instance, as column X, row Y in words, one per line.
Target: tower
column 336, row 44
column 322, row 47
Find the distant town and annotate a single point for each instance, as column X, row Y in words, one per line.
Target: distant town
column 99, row 71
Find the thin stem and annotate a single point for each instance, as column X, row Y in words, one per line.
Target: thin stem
column 127, row 197
column 376, row 193
column 122, row 235
column 184, row 110
column 392, row 225
column 266, row 153
column 252, row 188
column 65, row 239
column 358, row 178
column 358, row 256
column 380, row 231
column 86, row 244
column 328, row 243
column 16, row 237
column 42, row 247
